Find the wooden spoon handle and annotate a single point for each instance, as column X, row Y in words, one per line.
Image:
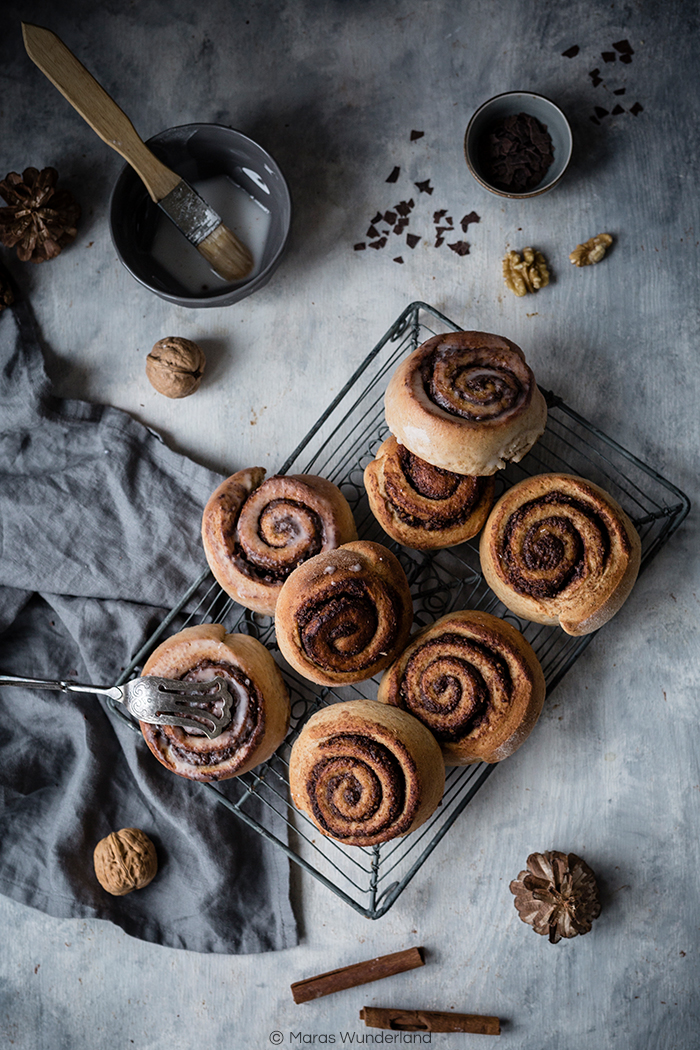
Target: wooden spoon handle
column 96, row 107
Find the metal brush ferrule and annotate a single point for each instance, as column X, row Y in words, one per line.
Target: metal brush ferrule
column 192, row 215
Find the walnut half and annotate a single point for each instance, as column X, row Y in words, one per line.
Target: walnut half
column 175, row 366
column 592, row 250
column 526, row 274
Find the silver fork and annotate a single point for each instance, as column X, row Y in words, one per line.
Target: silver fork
column 202, row 706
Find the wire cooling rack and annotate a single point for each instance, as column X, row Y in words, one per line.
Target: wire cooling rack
column 338, row 447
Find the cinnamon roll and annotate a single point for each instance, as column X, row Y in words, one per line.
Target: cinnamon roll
column 467, row 402
column 260, row 715
column 345, row 614
column 365, row 773
column 559, row 549
column 474, row 681
column 256, row 532
column 423, row 506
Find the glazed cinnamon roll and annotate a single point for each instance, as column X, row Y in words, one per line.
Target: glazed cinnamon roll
column 559, row 549
column 473, row 681
column 345, row 614
column 256, row 532
column 365, row 773
column 260, row 714
column 467, row 402
column 423, row 506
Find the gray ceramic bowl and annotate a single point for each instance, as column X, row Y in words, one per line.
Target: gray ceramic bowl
column 508, row 104
column 199, row 152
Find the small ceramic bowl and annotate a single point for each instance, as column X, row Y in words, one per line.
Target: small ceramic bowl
column 509, row 104
column 159, row 257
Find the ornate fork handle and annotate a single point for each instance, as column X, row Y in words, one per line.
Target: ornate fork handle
column 115, row 693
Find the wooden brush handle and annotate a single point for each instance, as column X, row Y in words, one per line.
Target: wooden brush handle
column 96, row 107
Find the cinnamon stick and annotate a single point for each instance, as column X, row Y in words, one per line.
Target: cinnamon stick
column 398, row 1020
column 356, row 974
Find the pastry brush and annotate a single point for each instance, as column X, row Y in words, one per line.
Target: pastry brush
column 199, row 223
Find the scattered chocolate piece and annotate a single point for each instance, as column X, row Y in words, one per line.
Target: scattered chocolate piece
column 636, row 108
column 439, row 230
column 449, row 220
column 626, row 59
column 571, row 52
column 360, row 247
column 595, row 77
column 425, row 186
column 412, row 240
column 411, row 203
column 617, row 110
column 608, row 56
column 596, row 81
column 624, row 47
column 403, row 208
column 594, row 73
column 390, row 217
column 471, row 217
column 400, row 225
column 417, row 135
column 620, row 91
column 398, row 259
column 516, row 152
column 595, row 120
column 437, row 215
column 459, row 247
column 600, row 112
column 377, row 218
column 372, row 232
column 378, row 244
column 439, row 241
column 394, row 175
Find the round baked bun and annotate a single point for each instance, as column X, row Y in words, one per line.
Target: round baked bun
column 467, row 402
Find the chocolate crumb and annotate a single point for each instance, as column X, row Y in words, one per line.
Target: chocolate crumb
column 417, row 135
column 425, row 186
column 620, row 91
column 626, row 59
column 400, row 225
column 390, row 217
column 516, row 152
column 594, row 73
column 412, row 240
column 624, row 47
column 571, row 52
column 398, row 259
column 596, row 81
column 459, row 247
column 442, row 229
column 378, row 244
column 360, row 247
column 403, row 208
column 449, row 220
column 437, row 215
column 617, row 110
column 377, row 218
column 394, row 175
column 411, row 203
column 608, row 56
column 636, row 108
column 471, row 217
column 439, row 241
column 600, row 112
column 372, row 232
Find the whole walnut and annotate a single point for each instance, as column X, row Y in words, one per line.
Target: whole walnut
column 125, row 861
column 175, row 366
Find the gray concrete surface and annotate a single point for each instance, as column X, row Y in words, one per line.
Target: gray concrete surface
column 333, row 89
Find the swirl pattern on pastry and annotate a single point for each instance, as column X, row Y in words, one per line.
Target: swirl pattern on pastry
column 256, row 532
column 365, row 773
column 559, row 549
column 260, row 714
column 423, row 506
column 466, row 402
column 343, row 615
column 474, row 681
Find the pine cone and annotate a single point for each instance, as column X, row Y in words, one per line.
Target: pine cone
column 39, row 220
column 557, row 895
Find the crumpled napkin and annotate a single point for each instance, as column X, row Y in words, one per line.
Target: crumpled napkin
column 99, row 537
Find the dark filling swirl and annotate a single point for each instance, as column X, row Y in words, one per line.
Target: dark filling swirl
column 475, row 384
column 551, row 542
column 450, row 682
column 428, row 496
column 358, row 788
column 348, row 626
column 272, row 537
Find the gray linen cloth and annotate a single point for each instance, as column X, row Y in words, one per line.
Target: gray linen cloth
column 99, row 537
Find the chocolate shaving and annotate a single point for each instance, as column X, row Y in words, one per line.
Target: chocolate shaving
column 620, row 91
column 459, row 247
column 398, row 259
column 360, row 247
column 400, row 225
column 439, row 241
column 608, row 56
column 636, row 108
column 442, row 229
column 516, row 153
column 571, row 52
column 403, row 208
column 377, row 218
column 624, row 47
column 412, row 240
column 595, row 120
column 425, row 186
column 600, row 112
column 626, row 59
column 394, row 175
column 437, row 215
column 372, row 232
column 467, row 219
column 390, row 217
column 417, row 135
column 617, row 110
column 378, row 244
